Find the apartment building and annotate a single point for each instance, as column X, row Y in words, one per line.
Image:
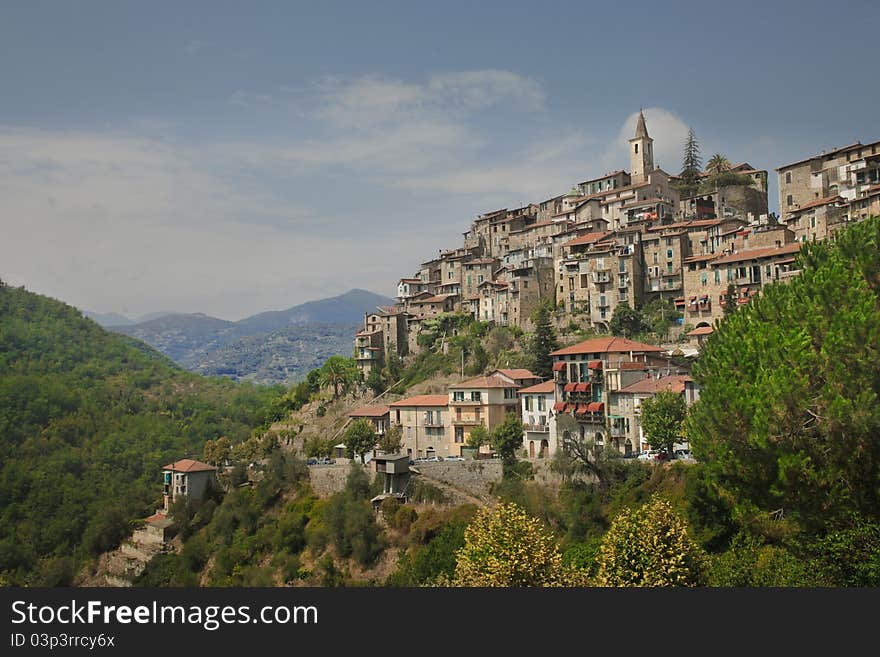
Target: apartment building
column 424, row 420
column 483, row 400
column 377, row 416
column 625, row 426
column 539, row 423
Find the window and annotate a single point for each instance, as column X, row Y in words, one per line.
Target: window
column 637, row 148
column 476, row 396
column 621, row 266
column 669, row 267
column 655, row 258
column 788, row 178
column 717, row 277
column 703, row 278
column 525, row 285
column 789, row 200
column 528, row 402
column 542, row 403
column 669, row 253
column 510, row 393
column 459, row 434
column 458, row 395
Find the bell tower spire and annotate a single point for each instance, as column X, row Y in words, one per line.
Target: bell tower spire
column 641, row 152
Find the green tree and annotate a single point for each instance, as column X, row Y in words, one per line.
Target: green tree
column 717, row 164
column 478, row 437
column 217, row 451
column 730, row 300
column 690, row 166
column 391, row 442
column 375, row 382
column 650, row 546
column 789, row 409
column 339, row 373
column 543, row 342
column 505, row 547
column 359, row 438
column 663, row 419
column 507, row 437
column 627, row 321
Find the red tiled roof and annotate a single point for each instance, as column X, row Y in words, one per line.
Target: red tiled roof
column 700, row 223
column 605, row 345
column 369, row 411
column 491, row 381
column 589, row 238
column 422, row 400
column 702, row 330
column 546, row 387
column 519, row 374
column 188, row 465
column 674, row 383
column 753, row 254
column 818, row 202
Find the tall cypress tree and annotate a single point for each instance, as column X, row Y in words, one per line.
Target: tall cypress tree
column 543, row 343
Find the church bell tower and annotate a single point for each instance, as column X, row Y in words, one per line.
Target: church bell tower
column 641, row 153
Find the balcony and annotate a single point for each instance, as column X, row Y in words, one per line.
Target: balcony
column 788, row 275
column 465, row 402
column 537, row 428
column 622, row 282
column 466, row 421
column 745, row 280
column 617, row 432
column 602, row 276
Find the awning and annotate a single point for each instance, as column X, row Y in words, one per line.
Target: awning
column 582, row 387
column 557, row 367
column 595, row 407
column 581, row 409
column 569, row 387
column 595, row 365
column 559, row 406
column 569, row 408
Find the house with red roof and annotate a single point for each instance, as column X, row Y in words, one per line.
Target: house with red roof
column 186, row 478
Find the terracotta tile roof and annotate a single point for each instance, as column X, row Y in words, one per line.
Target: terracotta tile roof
column 518, row 374
column 410, row 280
column 188, row 465
column 673, row 383
column 439, row 298
column 753, row 254
column 422, row 400
column 702, row 330
column 491, row 381
column 700, row 258
column 589, row 238
column 607, row 175
column 611, row 344
column 818, row 202
column 369, row 411
column 546, row 387
column 700, row 223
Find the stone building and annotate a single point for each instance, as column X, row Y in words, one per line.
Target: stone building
column 849, row 172
column 186, row 478
column 484, row 400
column 424, row 421
column 539, row 424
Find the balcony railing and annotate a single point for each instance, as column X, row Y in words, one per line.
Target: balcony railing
column 602, row 276
column 466, row 421
column 745, row 280
column 537, row 428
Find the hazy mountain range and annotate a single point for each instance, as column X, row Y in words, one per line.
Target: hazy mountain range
column 278, row 346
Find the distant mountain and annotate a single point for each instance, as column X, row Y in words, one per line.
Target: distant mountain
column 348, row 308
column 282, row 356
column 108, row 319
column 115, row 319
column 272, row 347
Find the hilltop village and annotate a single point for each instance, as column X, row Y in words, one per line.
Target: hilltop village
column 628, row 237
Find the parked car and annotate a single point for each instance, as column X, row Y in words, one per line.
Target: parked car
column 453, row 458
column 647, row 455
column 661, row 455
column 684, row 455
column 312, row 461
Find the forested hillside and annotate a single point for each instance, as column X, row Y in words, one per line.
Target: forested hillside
column 87, row 418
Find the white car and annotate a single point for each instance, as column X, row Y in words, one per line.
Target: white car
column 647, row 455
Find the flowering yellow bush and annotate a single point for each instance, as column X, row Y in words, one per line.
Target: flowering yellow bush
column 650, row 546
column 504, row 546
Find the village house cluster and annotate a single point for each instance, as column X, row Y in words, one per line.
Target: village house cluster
column 626, row 237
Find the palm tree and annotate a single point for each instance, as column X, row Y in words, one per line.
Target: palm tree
column 337, row 371
column 718, row 164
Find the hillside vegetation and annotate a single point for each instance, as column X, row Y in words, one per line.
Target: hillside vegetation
column 87, row 418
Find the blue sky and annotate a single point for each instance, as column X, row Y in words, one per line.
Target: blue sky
column 230, row 158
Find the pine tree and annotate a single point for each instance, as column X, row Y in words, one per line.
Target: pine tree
column 730, row 300
column 543, row 343
column 690, row 167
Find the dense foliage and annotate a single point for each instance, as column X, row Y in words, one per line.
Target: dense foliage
column 87, row 418
column 789, row 416
column 663, row 417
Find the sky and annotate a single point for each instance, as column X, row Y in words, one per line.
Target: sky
column 231, row 158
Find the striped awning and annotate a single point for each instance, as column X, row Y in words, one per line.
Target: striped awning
column 558, row 366
column 570, row 387
column 582, row 387
column 559, row 406
column 595, row 365
column 595, row 407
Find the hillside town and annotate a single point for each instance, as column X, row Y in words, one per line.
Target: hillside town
column 628, row 237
